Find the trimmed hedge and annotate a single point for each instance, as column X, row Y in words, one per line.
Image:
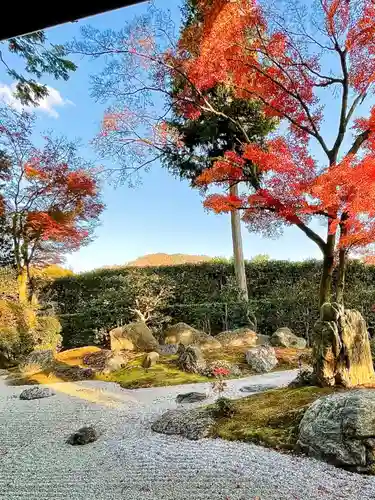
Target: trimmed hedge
column 281, row 293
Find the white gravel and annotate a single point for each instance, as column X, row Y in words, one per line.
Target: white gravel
column 131, row 462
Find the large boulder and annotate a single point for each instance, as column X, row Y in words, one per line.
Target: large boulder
column 341, row 350
column 133, row 337
column 284, row 337
column 340, row 429
column 181, row 333
column 261, row 359
column 191, row 360
column 241, row 337
column 192, row 424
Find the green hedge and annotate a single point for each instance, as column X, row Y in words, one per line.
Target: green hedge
column 281, row 294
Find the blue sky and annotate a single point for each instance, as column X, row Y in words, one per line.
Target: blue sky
column 163, row 214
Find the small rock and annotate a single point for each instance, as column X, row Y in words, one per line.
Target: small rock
column 37, row 393
column 191, row 397
column 168, row 349
column 261, row 359
column 304, row 378
column 258, row 388
column 83, row 436
column 150, row 359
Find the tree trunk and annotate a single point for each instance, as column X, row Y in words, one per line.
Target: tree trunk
column 341, row 276
column 239, row 264
column 327, row 272
column 22, row 285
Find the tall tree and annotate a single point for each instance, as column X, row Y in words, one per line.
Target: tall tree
column 300, row 61
column 211, row 135
column 288, row 58
column 40, row 58
column 137, row 131
column 50, row 196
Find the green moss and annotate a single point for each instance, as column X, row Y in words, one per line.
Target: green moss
column 270, row 418
column 163, row 374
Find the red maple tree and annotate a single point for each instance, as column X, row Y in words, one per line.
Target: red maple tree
column 50, row 196
column 276, row 59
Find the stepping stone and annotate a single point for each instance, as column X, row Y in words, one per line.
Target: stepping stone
column 37, row 393
column 258, row 388
column 191, row 397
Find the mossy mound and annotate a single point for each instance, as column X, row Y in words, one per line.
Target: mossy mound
column 271, row 418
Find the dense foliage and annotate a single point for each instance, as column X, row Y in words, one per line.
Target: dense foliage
column 40, row 58
column 50, row 196
column 281, row 294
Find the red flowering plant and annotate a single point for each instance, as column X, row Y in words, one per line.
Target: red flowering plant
column 219, row 385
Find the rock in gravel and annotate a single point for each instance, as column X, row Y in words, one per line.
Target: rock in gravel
column 261, row 359
column 340, row 429
column 83, row 436
column 191, row 397
column 284, row 337
column 258, row 388
column 37, row 393
column 192, row 424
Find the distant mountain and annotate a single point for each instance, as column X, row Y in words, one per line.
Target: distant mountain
column 164, row 259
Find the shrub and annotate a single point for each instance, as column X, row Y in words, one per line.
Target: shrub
column 223, row 408
column 280, row 294
column 47, row 333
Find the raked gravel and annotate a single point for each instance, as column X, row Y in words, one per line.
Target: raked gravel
column 130, row 462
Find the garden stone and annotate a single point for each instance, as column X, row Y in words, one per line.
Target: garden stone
column 238, row 338
column 37, row 393
column 258, row 388
column 191, row 360
column 150, row 359
column 106, row 361
column 192, row 424
column 342, row 353
column 304, row 378
column 340, row 429
column 181, row 333
column 85, row 435
column 168, row 349
column 133, row 337
column 284, row 337
column 191, row 397
column 233, row 369
column 261, row 359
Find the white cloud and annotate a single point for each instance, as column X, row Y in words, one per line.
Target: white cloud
column 46, row 105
